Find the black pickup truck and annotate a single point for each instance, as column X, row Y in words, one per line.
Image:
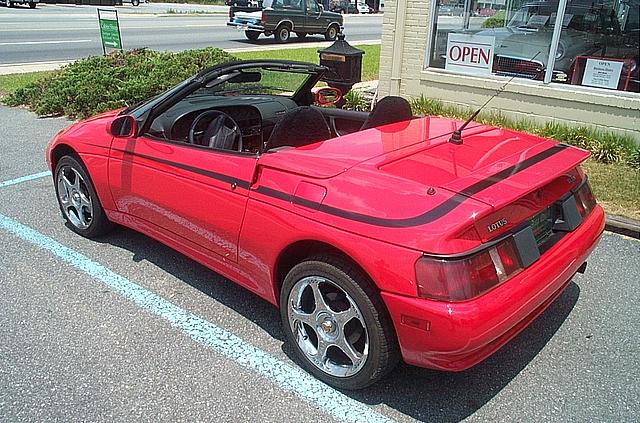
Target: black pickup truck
column 282, row 17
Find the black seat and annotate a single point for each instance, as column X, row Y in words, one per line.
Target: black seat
column 390, row 109
column 298, row 127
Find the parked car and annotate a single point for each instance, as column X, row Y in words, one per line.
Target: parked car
column 381, row 242
column 282, row 17
column 344, row 7
column 32, row 3
column 522, row 47
column 364, row 8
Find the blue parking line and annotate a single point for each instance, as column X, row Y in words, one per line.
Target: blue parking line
column 24, row 179
column 290, row 378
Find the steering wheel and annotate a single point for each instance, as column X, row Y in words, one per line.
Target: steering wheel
column 222, row 131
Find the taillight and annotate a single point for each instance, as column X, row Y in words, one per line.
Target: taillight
column 585, row 199
column 263, row 17
column 460, row 279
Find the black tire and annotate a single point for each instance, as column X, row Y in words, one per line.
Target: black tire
column 332, row 33
column 135, row 2
column 301, row 34
column 283, row 33
column 32, row 5
column 9, row 4
column 383, row 352
column 252, row 35
column 99, row 224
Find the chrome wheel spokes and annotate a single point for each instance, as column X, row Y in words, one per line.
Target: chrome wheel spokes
column 74, row 197
column 328, row 326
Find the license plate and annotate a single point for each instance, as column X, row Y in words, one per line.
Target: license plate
column 542, row 225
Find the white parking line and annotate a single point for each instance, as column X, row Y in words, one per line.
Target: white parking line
column 24, row 43
column 24, row 179
column 289, row 378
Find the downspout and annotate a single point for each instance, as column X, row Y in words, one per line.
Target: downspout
column 398, row 48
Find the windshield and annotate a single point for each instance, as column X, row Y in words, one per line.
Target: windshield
column 581, row 17
column 255, row 81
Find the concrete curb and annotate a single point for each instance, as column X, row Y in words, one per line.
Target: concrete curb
column 622, row 225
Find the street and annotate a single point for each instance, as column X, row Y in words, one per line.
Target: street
column 122, row 329
column 66, row 32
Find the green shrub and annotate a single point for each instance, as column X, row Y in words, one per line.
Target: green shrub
column 102, row 83
column 634, row 159
column 495, row 21
column 605, row 147
column 353, row 100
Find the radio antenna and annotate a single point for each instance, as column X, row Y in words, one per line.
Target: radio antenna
column 456, row 137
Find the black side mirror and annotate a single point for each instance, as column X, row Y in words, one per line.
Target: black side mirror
column 123, row 127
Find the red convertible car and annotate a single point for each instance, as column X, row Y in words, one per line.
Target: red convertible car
column 377, row 236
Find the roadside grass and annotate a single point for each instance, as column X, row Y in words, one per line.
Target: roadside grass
column 370, row 60
column 172, row 11
column 616, row 187
column 215, row 2
column 12, row 82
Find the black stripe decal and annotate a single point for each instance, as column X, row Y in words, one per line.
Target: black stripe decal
column 203, row 172
column 422, row 219
column 430, row 215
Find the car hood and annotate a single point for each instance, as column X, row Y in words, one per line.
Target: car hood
column 529, row 45
column 410, row 184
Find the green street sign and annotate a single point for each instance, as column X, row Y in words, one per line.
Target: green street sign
column 110, row 31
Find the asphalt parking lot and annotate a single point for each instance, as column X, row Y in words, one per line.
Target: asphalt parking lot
column 123, row 328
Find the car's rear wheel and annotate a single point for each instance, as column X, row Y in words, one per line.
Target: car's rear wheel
column 332, row 33
column 252, row 35
column 337, row 324
column 283, row 33
column 78, row 200
column 32, row 5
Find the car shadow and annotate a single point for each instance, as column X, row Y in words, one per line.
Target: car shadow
column 270, row 41
column 423, row 394
column 430, row 395
column 219, row 288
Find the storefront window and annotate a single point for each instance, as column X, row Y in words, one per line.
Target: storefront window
column 598, row 44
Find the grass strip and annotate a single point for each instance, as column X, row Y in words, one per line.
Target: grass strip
column 370, row 60
column 12, row 82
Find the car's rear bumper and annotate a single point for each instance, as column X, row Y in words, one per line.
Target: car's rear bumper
column 246, row 26
column 455, row 336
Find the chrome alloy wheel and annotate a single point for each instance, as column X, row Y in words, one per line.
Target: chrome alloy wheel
column 328, row 326
column 74, row 197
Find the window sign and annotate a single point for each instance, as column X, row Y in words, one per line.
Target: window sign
column 471, row 54
column 602, row 73
column 538, row 20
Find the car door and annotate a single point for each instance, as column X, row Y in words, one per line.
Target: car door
column 193, row 193
column 313, row 20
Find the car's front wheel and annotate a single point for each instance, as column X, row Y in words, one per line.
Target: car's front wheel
column 78, row 200
column 337, row 324
column 33, row 5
